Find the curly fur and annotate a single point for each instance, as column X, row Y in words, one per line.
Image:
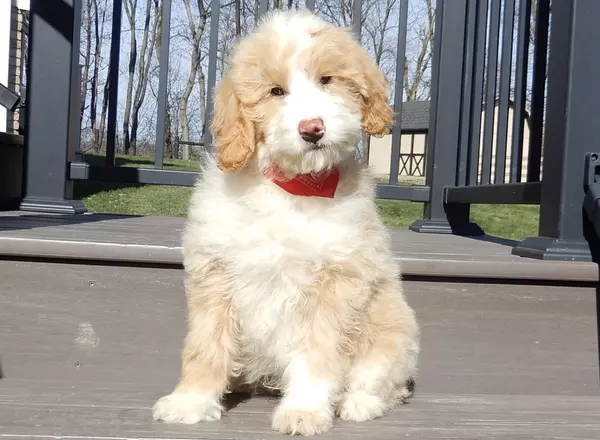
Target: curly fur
column 298, row 295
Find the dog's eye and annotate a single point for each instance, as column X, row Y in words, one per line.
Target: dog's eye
column 277, row 91
column 325, row 80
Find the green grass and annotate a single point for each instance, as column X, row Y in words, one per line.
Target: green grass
column 155, row 200
column 507, row 221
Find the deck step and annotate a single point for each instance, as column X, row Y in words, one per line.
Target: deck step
column 137, row 240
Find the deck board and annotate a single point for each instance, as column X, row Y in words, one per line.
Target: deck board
column 134, row 239
column 85, row 350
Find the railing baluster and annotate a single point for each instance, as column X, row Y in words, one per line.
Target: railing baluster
column 212, row 71
column 516, row 152
column 534, row 157
column 357, row 18
column 159, row 149
column 477, row 97
column 467, row 98
column 444, row 123
column 505, row 77
column 490, row 96
column 113, row 82
column 263, row 7
column 399, row 91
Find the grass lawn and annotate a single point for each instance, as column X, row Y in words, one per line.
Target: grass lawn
column 507, row 221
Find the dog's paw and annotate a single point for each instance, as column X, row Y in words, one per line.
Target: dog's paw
column 295, row 421
column 188, row 408
column 360, row 406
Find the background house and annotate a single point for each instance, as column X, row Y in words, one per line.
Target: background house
column 413, row 145
column 14, row 28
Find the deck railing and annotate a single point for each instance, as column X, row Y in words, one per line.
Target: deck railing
column 487, row 87
column 482, row 50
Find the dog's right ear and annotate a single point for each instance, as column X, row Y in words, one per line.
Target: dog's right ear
column 233, row 132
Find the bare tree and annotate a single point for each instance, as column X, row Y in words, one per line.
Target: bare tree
column 87, row 61
column 196, row 28
column 145, row 61
column 415, row 85
column 338, row 12
column 189, row 43
column 99, row 20
column 377, row 35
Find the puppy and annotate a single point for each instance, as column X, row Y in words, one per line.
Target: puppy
column 291, row 283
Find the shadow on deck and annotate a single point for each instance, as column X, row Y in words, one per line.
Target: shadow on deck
column 510, row 347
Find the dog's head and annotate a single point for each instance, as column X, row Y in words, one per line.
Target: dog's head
column 296, row 94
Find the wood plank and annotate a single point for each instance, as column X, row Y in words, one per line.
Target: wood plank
column 427, row 417
column 86, row 350
column 143, row 240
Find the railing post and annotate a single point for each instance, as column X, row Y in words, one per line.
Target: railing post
column 163, row 74
column 571, row 130
column 445, row 123
column 215, row 10
column 52, row 105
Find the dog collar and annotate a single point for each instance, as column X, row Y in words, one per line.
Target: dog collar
column 321, row 184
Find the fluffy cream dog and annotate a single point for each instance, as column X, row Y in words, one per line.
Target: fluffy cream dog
column 291, row 283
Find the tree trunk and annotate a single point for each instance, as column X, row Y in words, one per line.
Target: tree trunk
column 384, row 27
column 104, row 110
column 238, row 17
column 87, row 20
column 169, row 146
column 202, row 92
column 196, row 31
column 105, row 92
column 98, row 32
column 157, row 47
column 130, row 10
column 143, row 72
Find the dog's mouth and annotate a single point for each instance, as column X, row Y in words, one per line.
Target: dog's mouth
column 317, row 145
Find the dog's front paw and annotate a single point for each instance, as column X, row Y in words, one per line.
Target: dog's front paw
column 188, row 408
column 359, row 406
column 296, row 421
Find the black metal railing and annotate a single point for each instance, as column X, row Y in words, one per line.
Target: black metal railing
column 503, row 72
column 484, row 165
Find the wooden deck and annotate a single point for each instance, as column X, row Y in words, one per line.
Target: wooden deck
column 86, row 349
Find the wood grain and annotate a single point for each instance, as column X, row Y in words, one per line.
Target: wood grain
column 86, row 350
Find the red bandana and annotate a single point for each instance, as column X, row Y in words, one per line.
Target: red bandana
column 322, row 184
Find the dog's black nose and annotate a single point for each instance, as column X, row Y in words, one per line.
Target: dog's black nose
column 311, row 130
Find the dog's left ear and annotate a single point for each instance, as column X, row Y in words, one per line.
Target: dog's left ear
column 377, row 114
column 234, row 134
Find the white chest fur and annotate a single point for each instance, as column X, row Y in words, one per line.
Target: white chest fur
column 275, row 245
